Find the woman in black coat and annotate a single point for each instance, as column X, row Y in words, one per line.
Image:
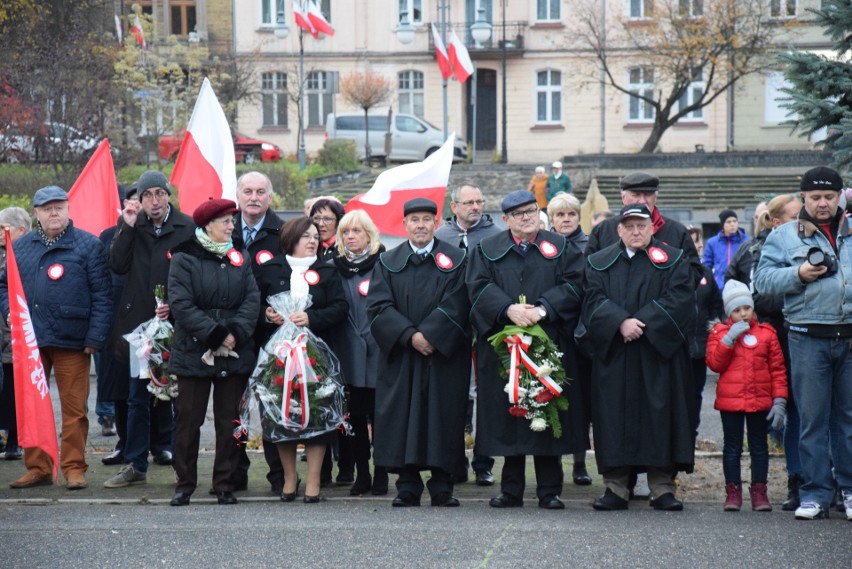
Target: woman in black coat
column 301, row 272
column 214, row 300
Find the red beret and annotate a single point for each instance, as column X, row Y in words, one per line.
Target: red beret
column 212, row 209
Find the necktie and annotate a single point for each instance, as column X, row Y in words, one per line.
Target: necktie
column 523, row 245
column 249, row 235
column 422, row 253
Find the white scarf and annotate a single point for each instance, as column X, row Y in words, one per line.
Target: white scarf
column 299, row 266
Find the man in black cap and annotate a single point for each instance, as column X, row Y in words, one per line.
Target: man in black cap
column 141, row 249
column 637, row 308
column 543, row 267
column 418, row 311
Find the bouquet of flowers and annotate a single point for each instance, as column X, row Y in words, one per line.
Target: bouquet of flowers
column 296, row 383
column 536, row 378
column 150, row 350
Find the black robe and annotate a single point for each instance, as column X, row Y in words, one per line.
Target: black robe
column 643, row 399
column 420, row 401
column 497, row 275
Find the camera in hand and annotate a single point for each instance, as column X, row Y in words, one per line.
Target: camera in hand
column 819, row 258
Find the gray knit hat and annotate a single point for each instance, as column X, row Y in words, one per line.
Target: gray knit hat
column 152, row 179
column 736, row 294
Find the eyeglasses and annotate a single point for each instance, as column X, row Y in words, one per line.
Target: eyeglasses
column 524, row 213
column 159, row 194
column 321, row 220
column 310, row 236
column 470, row 203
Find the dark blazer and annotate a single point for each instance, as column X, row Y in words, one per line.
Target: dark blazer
column 267, row 239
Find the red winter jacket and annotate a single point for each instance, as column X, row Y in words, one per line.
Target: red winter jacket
column 752, row 373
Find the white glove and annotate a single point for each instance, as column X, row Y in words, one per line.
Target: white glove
column 734, row 332
column 220, row 352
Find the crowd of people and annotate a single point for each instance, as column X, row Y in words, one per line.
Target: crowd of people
column 634, row 313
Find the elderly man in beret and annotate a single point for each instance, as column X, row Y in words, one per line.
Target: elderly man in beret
column 523, row 261
column 809, row 263
column 67, row 285
column 418, row 312
column 637, row 307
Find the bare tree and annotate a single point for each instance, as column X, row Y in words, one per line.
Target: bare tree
column 693, row 51
column 366, row 90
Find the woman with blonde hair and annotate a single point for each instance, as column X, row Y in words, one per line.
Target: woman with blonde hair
column 564, row 214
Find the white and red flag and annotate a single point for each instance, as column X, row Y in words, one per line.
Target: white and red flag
column 318, row 21
column 460, row 59
column 36, row 424
column 205, row 167
column 119, row 32
column 394, row 187
column 137, row 31
column 93, row 201
column 441, row 54
column 302, row 20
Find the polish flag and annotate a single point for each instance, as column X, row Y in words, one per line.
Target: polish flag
column 205, row 167
column 118, row 31
column 302, row 19
column 36, row 423
column 427, row 179
column 318, row 21
column 441, row 54
column 137, row 31
column 93, row 201
column 460, row 58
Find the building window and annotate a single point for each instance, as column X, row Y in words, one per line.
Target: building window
column 325, row 8
column 411, row 93
column 548, row 95
column 273, row 89
column 182, row 17
column 414, row 9
column 269, row 11
column 691, row 8
column 547, row 10
column 146, row 5
column 641, row 84
column 782, row 8
column 318, row 98
column 773, row 112
column 640, row 9
column 693, row 94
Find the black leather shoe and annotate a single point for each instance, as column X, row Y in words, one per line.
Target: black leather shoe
column 14, row 454
column 226, row 498
column 506, row 501
column 163, row 458
column 406, row 500
column 667, row 502
column 581, row 475
column 180, row 499
column 344, row 478
column 445, row 500
column 609, row 502
column 291, row 496
column 312, row 499
column 362, row 485
column 551, row 503
column 115, row 457
column 380, row 482
column 484, row 478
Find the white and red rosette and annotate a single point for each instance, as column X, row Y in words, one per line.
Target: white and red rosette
column 312, row 277
column 657, row 255
column 235, row 257
column 547, row 249
column 443, row 261
column 55, row 271
column 364, row 287
column 263, row 256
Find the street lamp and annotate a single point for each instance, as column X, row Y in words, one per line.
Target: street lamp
column 281, row 29
column 481, row 32
column 281, row 32
column 404, row 31
column 504, row 152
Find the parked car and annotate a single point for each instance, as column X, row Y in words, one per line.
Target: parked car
column 248, row 150
column 47, row 142
column 411, row 137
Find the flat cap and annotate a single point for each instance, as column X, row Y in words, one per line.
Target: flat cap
column 640, row 182
column 516, row 199
column 49, row 194
column 821, row 178
column 635, row 210
column 212, row 209
column 419, row 204
column 152, row 179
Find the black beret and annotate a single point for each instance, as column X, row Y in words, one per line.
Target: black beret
column 212, row 209
column 420, row 204
column 725, row 214
column 821, row 178
column 640, row 182
column 635, row 210
column 152, row 179
column 516, row 199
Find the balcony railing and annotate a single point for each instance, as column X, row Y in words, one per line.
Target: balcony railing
column 514, row 39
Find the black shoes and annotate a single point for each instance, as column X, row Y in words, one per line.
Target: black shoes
column 380, row 481
column 226, row 498
column 792, row 501
column 345, row 478
column 180, row 499
column 445, row 500
column 115, row 457
column 163, row 458
column 291, row 496
column 667, row 502
column 312, row 499
column 581, row 475
column 484, row 478
column 506, row 501
column 406, row 500
column 13, row 453
column 363, row 483
column 609, row 502
column 551, row 503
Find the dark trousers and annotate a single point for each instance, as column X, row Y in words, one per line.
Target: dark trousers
column 362, row 405
column 8, row 416
column 191, row 407
column 732, row 427
column 699, row 377
column 121, row 423
column 410, row 481
column 548, row 476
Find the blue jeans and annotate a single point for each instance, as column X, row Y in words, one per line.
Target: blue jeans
column 732, row 427
column 821, row 379
column 791, row 438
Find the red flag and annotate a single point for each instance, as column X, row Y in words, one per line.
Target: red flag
column 394, row 187
column 93, row 199
column 36, row 424
column 205, row 167
column 441, row 54
column 318, row 21
column 137, row 31
column 302, row 19
column 460, row 58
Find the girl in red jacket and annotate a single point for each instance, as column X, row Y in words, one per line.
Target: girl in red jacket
column 752, row 389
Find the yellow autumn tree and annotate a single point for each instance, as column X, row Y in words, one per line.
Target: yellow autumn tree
column 365, row 89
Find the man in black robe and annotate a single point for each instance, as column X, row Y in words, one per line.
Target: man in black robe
column 547, row 270
column 418, row 311
column 637, row 308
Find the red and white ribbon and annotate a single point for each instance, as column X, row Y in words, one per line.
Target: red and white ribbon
column 296, row 367
column 518, row 346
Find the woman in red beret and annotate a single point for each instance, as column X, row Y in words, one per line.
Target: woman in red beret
column 215, row 301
